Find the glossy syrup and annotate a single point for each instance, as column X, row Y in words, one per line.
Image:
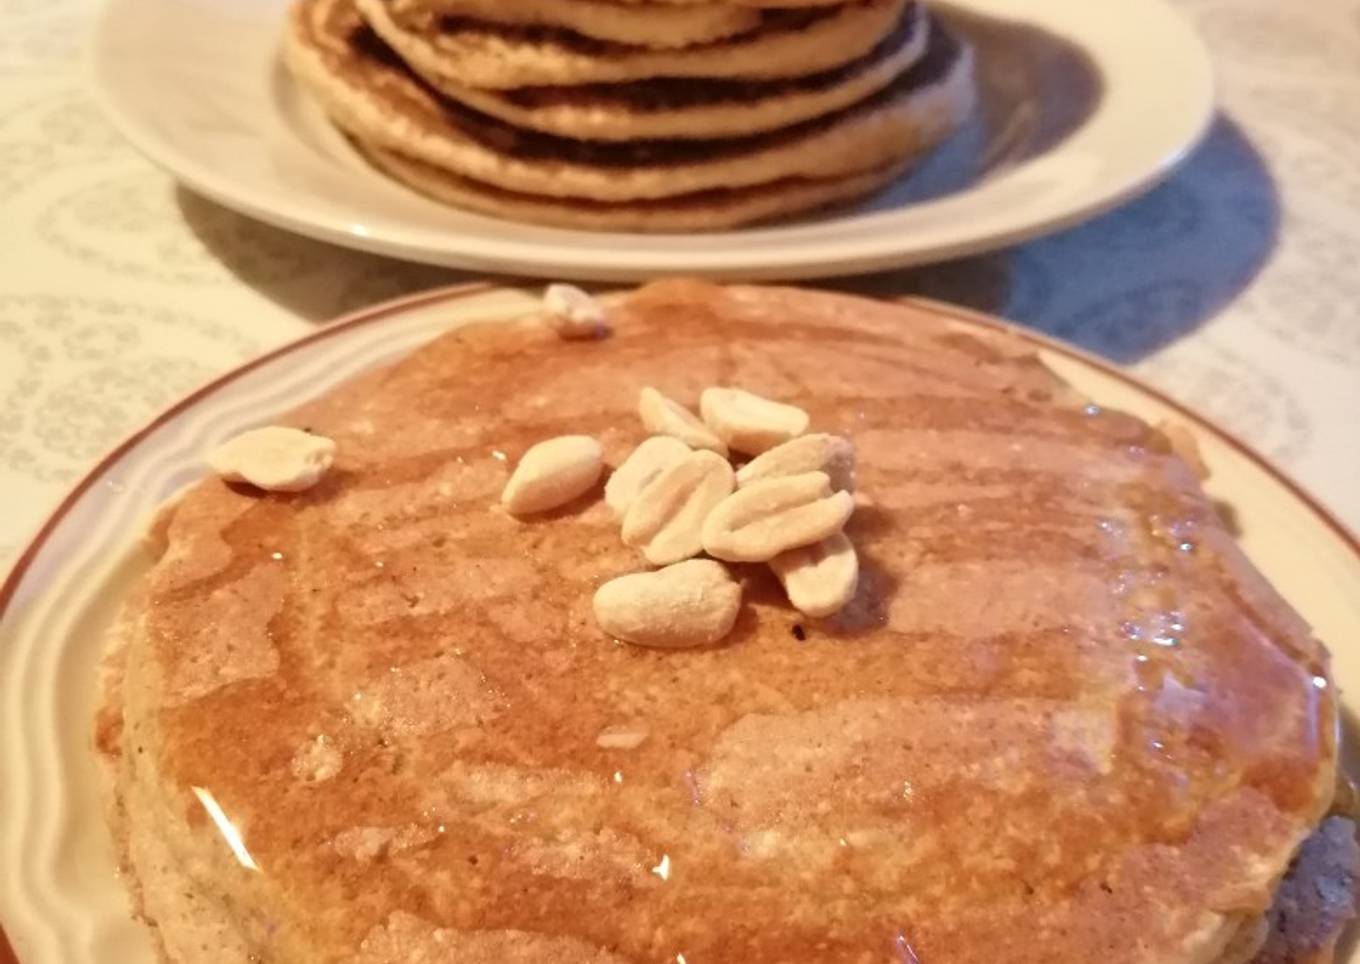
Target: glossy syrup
column 1047, row 667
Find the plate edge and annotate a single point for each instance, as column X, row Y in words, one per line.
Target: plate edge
column 805, row 264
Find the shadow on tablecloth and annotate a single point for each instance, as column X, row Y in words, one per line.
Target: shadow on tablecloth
column 326, row 281
column 1138, row 278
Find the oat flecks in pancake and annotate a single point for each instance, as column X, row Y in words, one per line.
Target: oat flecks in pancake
column 222, row 637
column 366, row 844
column 425, row 697
column 1119, row 768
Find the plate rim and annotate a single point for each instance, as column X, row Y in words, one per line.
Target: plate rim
column 452, row 293
column 807, row 258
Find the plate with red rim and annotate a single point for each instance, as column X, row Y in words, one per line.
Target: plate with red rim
column 60, row 898
column 1082, row 106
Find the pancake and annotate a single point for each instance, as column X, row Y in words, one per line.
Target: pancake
column 703, row 211
column 658, row 25
column 694, row 108
column 1063, row 716
column 475, row 53
column 369, row 93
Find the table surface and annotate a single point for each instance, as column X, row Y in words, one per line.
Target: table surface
column 1233, row 286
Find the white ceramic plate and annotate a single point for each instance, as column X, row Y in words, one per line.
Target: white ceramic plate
column 59, row 898
column 1084, row 104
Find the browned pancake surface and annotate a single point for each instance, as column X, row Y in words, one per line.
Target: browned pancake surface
column 670, row 93
column 369, row 58
column 1063, row 717
column 771, row 21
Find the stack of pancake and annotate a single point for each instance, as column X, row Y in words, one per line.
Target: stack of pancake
column 633, row 114
column 1063, row 721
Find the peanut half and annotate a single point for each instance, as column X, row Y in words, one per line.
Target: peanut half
column 771, row 516
column 274, row 458
column 749, row 423
column 693, row 603
column 573, row 314
column 831, row 454
column 646, row 462
column 666, row 519
column 821, row 578
column 664, row 416
column 552, row 473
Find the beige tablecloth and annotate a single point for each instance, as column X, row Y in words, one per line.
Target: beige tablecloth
column 1234, row 286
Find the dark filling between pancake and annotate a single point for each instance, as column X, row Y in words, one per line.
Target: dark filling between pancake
column 365, row 44
column 771, row 22
column 670, row 93
column 942, row 52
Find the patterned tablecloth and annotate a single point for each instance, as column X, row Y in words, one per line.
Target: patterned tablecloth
column 1234, row 286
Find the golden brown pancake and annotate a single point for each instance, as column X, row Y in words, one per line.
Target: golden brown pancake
column 692, row 108
column 700, row 211
column 1064, row 720
column 660, row 25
